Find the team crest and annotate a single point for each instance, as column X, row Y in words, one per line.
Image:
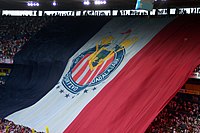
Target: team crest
column 95, row 65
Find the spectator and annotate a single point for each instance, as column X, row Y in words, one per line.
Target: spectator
column 11, row 127
column 181, row 115
column 15, row 32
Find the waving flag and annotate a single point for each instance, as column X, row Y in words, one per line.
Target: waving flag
column 119, row 82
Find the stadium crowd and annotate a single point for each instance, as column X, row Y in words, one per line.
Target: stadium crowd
column 15, row 32
column 197, row 69
column 181, row 115
column 7, row 126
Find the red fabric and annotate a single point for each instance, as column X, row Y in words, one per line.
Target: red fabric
column 129, row 31
column 78, row 64
column 80, row 72
column 130, row 102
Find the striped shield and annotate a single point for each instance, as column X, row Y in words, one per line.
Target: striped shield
column 92, row 67
column 95, row 65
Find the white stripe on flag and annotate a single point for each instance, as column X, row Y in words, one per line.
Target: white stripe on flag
column 96, row 73
column 80, row 66
column 83, row 74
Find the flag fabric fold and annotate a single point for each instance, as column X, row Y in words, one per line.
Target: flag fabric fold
column 148, row 81
column 120, row 79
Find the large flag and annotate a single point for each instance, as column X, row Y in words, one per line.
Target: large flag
column 120, row 79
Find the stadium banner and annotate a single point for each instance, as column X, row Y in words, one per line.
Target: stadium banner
column 142, row 8
column 120, row 79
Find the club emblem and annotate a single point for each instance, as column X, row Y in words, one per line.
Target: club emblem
column 95, row 65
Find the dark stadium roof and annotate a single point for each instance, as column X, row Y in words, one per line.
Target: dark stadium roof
column 77, row 4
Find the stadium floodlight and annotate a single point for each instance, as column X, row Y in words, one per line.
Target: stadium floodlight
column 104, row 2
column 54, row 3
column 97, row 2
column 31, row 3
column 86, row 2
column 100, row 2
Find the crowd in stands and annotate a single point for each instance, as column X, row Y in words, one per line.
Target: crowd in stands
column 7, row 126
column 4, row 73
column 15, row 32
column 197, row 69
column 2, row 81
column 181, row 115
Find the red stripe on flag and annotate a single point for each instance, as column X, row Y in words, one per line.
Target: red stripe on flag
column 131, row 101
column 80, row 62
column 94, row 74
column 76, row 76
column 85, row 77
column 109, row 61
column 128, row 31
